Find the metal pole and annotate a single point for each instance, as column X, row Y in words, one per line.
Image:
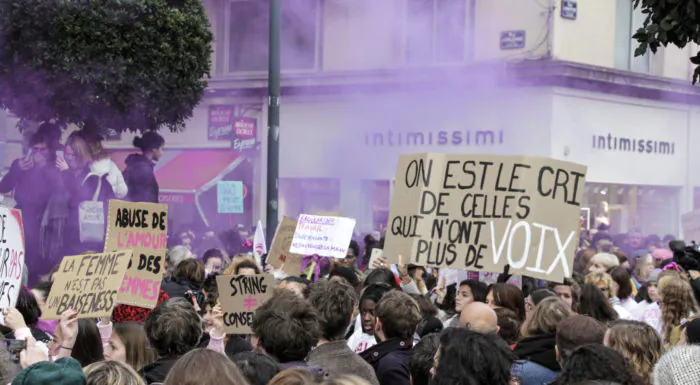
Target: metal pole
column 273, row 119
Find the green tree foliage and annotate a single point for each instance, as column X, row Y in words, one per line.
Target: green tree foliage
column 128, row 65
column 675, row 22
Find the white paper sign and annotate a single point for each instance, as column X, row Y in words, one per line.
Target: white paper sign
column 11, row 256
column 323, row 236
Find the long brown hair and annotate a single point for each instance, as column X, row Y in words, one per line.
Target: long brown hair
column 639, row 343
column 295, row 376
column 545, row 318
column 677, row 302
column 138, row 351
column 204, row 366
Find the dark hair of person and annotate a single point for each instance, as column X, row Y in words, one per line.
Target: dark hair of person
column 422, row 356
column 210, row 288
column 374, row 293
column 204, row 366
column 509, row 296
column 643, row 294
column 577, row 331
column 335, row 301
column 540, row 294
column 594, row 304
column 300, row 281
column 448, row 304
column 287, row 327
column 28, row 307
column 509, row 325
column 426, row 306
column 258, row 368
column 468, row 357
column 479, row 289
column 345, row 273
column 384, row 276
column 597, row 363
column 621, row 256
column 190, row 269
column 355, row 247
column 88, row 344
column 173, row 327
column 138, row 350
column 399, row 315
column 622, row 277
column 246, row 264
column 44, row 287
column 148, row 141
column 213, row 253
column 573, row 284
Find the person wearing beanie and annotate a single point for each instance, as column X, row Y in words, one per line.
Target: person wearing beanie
column 691, row 333
column 679, row 366
column 661, row 255
column 38, row 370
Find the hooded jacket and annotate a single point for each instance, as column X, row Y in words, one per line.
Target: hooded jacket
column 115, row 178
column 140, row 179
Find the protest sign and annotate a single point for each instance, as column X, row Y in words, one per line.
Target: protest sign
column 143, row 228
column 240, row 296
column 279, row 256
column 323, row 236
column 229, row 197
column 481, row 212
column 88, row 283
column 12, row 254
column 690, row 222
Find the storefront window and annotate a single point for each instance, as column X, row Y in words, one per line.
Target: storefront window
column 652, row 209
column 309, row 196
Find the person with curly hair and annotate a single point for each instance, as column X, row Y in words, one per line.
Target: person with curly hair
column 639, row 343
column 468, row 357
column 677, row 304
column 597, row 363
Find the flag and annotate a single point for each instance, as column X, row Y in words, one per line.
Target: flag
column 259, row 247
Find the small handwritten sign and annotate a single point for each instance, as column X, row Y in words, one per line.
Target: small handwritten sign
column 240, row 296
column 143, row 228
column 87, row 283
column 12, row 254
column 229, row 197
column 323, row 236
column 279, row 256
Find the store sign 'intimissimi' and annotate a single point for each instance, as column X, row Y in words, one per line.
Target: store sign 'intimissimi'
column 391, row 138
column 611, row 142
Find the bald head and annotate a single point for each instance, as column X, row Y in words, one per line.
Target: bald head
column 479, row 317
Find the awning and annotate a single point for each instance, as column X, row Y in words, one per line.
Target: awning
column 184, row 174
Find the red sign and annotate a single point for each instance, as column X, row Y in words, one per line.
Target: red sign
column 244, row 127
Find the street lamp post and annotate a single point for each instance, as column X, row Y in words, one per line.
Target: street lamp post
column 273, row 119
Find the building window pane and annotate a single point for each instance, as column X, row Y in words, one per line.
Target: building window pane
column 249, row 34
column 436, row 31
column 450, row 30
column 419, row 31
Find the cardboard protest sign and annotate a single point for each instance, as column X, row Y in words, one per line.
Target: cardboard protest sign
column 12, row 254
column 143, row 228
column 690, row 222
column 481, row 212
column 279, row 256
column 88, row 283
column 323, row 236
column 240, row 296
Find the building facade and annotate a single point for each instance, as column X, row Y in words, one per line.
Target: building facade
column 367, row 80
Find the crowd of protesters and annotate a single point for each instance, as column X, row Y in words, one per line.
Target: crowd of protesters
column 628, row 315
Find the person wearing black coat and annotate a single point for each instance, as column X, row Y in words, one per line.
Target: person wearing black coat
column 139, row 173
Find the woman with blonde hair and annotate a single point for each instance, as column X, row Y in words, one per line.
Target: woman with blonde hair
column 536, row 352
column 603, row 262
column 639, row 343
column 111, row 373
column 103, row 165
column 295, row 376
column 607, row 286
column 81, row 185
column 204, row 367
column 677, row 304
